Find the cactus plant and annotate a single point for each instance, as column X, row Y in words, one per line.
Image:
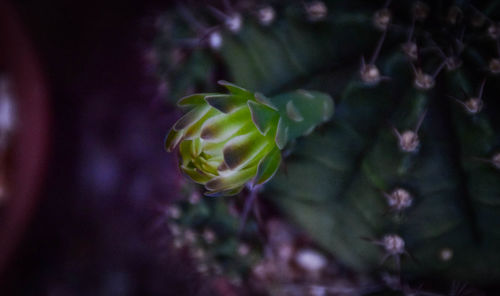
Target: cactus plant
column 411, row 160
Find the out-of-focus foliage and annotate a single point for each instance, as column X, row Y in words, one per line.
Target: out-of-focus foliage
column 209, row 231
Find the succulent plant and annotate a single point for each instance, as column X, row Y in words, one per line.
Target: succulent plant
column 411, row 159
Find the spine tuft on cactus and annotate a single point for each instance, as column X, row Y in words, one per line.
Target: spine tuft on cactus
column 399, row 199
column 393, row 244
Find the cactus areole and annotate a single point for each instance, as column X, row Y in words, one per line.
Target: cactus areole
column 228, row 140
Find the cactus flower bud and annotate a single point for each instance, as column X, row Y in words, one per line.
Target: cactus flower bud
column 228, row 140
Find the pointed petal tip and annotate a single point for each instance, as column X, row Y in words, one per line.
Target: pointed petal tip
column 259, row 97
column 190, row 118
column 281, row 137
column 225, row 103
column 233, row 88
column 263, row 116
column 196, row 175
column 172, row 139
column 306, row 93
column 328, row 108
column 293, row 113
column 267, row 167
column 189, row 100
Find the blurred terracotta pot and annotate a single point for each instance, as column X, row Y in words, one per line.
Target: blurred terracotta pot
column 30, row 137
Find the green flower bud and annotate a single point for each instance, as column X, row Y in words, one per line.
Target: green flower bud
column 228, row 140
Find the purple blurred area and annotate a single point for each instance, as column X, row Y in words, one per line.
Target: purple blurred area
column 108, row 175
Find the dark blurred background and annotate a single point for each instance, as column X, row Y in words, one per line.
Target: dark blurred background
column 108, row 176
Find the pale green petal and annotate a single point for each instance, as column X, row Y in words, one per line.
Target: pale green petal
column 193, row 100
column 214, row 163
column 293, row 113
column 190, row 149
column 196, row 147
column 265, row 100
column 184, row 152
column 263, row 117
column 197, row 175
column 213, row 149
column 328, row 108
column 225, row 103
column 173, row 139
column 231, row 180
column 236, row 90
column 268, row 166
column 205, row 165
column 194, row 130
column 281, row 134
column 191, row 117
column 241, row 150
column 222, row 126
